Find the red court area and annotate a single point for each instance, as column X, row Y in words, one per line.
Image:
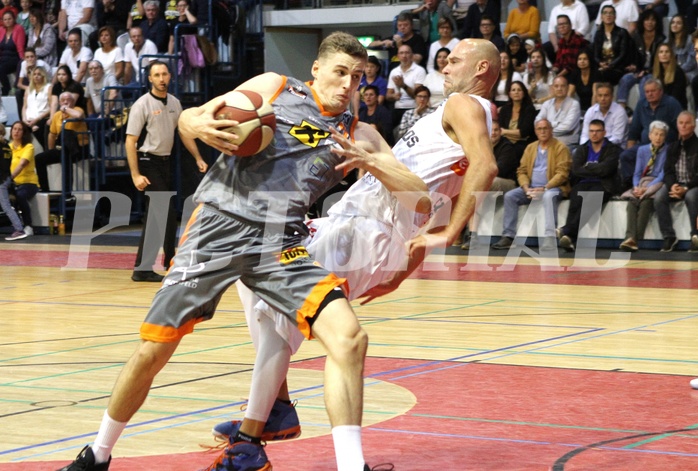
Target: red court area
column 472, row 416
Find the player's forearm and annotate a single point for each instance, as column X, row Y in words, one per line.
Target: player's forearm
column 478, row 178
column 408, row 188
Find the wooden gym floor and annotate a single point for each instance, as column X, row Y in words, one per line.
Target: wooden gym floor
column 474, row 364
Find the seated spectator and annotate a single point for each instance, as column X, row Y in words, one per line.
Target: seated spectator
column 76, row 56
column 656, row 106
column 5, row 186
column 681, row 44
column 113, row 13
column 489, row 29
column 649, row 32
column 430, row 14
column 445, row 41
column 516, row 118
column 63, row 82
column 648, row 178
column 539, row 79
column 403, row 82
column 517, row 52
column 435, row 79
column 507, row 76
column 138, row 47
column 611, row 113
column 472, row 25
column 77, row 14
column 563, row 113
column 109, row 54
column 76, row 146
column 625, row 14
column 405, row 35
column 12, row 41
column 8, row 5
column 507, row 163
column 569, row 44
column 25, row 68
column 22, row 175
column 23, row 16
column 95, row 83
column 613, row 47
column 667, row 71
column 680, row 183
column 184, row 17
column 372, row 76
column 42, row 37
column 583, row 81
column 36, row 106
column 136, row 15
column 524, row 21
column 594, row 168
column 421, row 109
column 543, row 176
column 576, row 23
column 376, row 114
column 154, row 27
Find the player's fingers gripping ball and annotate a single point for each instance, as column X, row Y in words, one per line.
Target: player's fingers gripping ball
column 256, row 121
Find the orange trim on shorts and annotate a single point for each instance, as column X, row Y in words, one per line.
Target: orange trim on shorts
column 166, row 334
column 185, row 234
column 316, row 296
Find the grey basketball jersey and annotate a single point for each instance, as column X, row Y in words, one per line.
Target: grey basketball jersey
column 277, row 185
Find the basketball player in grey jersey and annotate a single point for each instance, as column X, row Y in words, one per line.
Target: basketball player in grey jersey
column 473, row 69
column 229, row 239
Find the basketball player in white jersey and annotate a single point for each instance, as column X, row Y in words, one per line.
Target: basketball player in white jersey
column 372, row 239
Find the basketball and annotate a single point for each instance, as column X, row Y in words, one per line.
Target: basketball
column 256, row 119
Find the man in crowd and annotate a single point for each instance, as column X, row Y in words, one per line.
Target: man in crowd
column 611, row 113
column 563, row 112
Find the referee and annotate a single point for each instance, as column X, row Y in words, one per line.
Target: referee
column 150, row 134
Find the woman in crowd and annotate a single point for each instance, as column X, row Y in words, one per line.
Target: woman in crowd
column 507, row 76
column 517, row 116
column 517, row 53
column 184, row 17
column 37, row 104
column 612, row 47
column 110, row 55
column 66, row 83
column 445, row 41
column 435, row 79
column 23, row 172
column 647, row 179
column 646, row 40
column 682, row 45
column 12, row 42
column 42, row 38
column 667, row 71
column 5, row 185
column 539, row 79
column 583, row 80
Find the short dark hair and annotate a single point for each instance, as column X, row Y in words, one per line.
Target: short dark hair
column 343, row 43
column 563, row 16
column 598, row 122
column 374, row 88
column 404, row 16
column 421, row 89
column 486, row 17
column 77, row 31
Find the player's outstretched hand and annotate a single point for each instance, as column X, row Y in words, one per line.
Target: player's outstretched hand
column 355, row 156
column 201, row 123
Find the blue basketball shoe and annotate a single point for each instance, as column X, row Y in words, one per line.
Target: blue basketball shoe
column 241, row 456
column 283, row 424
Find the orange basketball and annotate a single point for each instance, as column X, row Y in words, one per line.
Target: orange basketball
column 256, row 119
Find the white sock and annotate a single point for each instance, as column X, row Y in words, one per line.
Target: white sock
column 270, row 368
column 109, row 433
column 347, row 447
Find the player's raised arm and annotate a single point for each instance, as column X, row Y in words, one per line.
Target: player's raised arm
column 371, row 153
column 201, row 123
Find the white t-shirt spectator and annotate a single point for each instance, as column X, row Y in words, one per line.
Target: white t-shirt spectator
column 93, row 91
column 75, row 9
column 579, row 17
column 130, row 55
column 73, row 62
column 415, row 75
column 39, row 63
column 435, row 46
column 109, row 59
column 626, row 12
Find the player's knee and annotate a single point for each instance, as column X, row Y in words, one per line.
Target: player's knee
column 151, row 357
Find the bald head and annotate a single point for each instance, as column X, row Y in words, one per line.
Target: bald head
column 473, row 67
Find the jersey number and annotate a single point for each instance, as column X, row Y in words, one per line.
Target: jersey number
column 410, row 138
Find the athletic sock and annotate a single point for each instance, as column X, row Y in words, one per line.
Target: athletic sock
column 347, row 447
column 109, row 433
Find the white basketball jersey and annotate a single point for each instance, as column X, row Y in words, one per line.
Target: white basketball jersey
column 428, row 152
